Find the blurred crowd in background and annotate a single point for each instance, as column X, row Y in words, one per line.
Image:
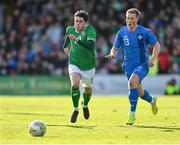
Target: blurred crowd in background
column 32, row 33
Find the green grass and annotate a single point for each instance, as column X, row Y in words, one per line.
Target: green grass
column 105, row 126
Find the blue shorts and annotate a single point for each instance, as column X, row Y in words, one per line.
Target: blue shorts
column 141, row 71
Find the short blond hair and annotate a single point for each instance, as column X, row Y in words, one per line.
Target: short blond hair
column 133, row 11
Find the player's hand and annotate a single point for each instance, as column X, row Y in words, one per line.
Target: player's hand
column 110, row 56
column 151, row 62
column 66, row 50
column 73, row 37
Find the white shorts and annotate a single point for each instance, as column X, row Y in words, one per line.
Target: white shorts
column 86, row 76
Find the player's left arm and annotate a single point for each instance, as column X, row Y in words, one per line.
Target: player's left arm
column 156, row 46
column 89, row 43
column 155, row 53
column 116, row 46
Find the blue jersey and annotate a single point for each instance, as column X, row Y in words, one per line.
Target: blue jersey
column 134, row 46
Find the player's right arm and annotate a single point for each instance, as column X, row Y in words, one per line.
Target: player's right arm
column 66, row 45
column 116, row 46
column 112, row 54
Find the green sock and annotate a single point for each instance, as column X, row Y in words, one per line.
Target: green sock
column 87, row 97
column 75, row 93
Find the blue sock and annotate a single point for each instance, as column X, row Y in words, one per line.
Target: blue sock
column 147, row 97
column 133, row 99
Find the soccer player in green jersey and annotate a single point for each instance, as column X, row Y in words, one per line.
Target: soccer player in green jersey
column 80, row 47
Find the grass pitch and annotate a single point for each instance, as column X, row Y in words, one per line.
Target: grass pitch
column 105, row 126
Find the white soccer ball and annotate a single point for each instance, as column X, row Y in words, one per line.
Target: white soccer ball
column 37, row 128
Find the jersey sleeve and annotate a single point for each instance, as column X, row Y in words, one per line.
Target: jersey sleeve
column 67, row 30
column 91, row 34
column 151, row 37
column 67, row 40
column 118, row 40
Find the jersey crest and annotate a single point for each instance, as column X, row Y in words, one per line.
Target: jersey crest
column 82, row 33
column 139, row 36
column 79, row 37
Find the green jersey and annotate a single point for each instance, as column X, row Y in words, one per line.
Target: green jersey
column 80, row 56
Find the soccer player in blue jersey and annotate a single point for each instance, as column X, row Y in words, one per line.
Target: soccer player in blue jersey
column 133, row 39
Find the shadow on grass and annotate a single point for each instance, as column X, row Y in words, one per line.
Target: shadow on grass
column 73, row 126
column 26, row 113
column 164, row 128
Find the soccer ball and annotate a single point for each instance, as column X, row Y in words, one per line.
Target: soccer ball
column 37, row 128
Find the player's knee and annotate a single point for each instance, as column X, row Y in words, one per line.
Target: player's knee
column 75, row 83
column 132, row 84
column 140, row 93
column 88, row 90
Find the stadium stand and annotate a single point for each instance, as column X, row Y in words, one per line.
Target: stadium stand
column 32, row 33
